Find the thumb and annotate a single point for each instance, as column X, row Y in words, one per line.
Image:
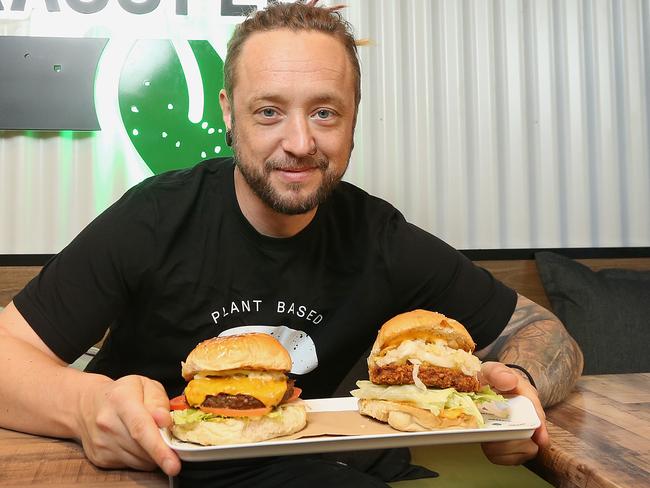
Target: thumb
column 499, row 376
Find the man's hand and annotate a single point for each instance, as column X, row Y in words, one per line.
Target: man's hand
column 535, row 339
column 119, row 421
column 116, row 421
column 509, row 381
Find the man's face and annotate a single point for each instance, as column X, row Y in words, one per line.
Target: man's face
column 293, row 113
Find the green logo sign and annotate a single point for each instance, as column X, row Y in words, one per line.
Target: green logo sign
column 159, row 107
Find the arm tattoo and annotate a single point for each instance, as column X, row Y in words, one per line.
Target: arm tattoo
column 536, row 340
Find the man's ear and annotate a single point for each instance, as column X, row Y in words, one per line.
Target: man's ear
column 226, row 108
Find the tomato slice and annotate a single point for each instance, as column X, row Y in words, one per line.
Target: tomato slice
column 178, row 403
column 233, row 412
column 295, row 394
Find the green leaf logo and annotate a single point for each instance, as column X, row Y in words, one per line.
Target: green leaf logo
column 168, row 125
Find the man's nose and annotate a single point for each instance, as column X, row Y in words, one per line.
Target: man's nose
column 298, row 139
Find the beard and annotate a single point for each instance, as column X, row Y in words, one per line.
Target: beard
column 292, row 201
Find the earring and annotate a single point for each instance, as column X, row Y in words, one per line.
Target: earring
column 228, row 137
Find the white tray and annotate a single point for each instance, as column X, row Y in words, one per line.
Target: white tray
column 522, row 423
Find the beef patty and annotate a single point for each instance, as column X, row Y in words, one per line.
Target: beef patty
column 241, row 402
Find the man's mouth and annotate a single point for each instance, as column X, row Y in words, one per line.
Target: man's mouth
column 297, row 174
column 297, row 170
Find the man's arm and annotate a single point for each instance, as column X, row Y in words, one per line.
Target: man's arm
column 115, row 421
column 536, row 340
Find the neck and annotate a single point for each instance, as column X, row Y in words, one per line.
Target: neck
column 263, row 218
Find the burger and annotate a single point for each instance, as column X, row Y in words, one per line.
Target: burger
column 238, row 392
column 423, row 376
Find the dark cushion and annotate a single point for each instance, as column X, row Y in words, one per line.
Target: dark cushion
column 607, row 312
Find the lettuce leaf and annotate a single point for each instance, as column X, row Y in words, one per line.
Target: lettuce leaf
column 194, row 415
column 486, row 394
column 190, row 416
column 430, row 399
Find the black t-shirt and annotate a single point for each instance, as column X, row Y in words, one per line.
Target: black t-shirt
column 174, row 262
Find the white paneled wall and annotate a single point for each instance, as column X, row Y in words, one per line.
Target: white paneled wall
column 493, row 124
column 509, row 123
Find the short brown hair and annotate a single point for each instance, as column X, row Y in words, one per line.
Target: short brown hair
column 298, row 16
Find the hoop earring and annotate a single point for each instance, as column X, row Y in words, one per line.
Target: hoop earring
column 228, row 137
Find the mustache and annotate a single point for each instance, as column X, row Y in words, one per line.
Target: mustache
column 296, row 164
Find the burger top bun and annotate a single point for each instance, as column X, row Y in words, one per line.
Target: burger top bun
column 425, row 325
column 254, row 351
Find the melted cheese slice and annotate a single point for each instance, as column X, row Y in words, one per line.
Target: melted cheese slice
column 268, row 391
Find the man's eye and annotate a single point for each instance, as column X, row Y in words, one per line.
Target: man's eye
column 324, row 114
column 268, row 112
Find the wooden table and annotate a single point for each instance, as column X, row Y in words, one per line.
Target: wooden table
column 600, row 438
column 600, row 435
column 34, row 461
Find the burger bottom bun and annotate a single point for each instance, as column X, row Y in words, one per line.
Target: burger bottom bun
column 234, row 430
column 408, row 418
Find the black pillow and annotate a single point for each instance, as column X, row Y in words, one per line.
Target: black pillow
column 607, row 312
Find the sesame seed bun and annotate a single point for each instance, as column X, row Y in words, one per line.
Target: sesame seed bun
column 254, row 351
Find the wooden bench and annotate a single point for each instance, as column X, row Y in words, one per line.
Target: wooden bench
column 519, row 274
column 522, row 275
column 13, row 279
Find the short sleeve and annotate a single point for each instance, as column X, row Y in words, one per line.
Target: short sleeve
column 78, row 294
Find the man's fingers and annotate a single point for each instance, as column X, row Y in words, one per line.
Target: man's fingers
column 154, row 395
column 157, row 403
column 502, row 378
column 499, row 376
column 510, row 452
column 540, row 436
column 109, row 459
column 143, row 429
column 120, row 425
column 113, row 433
column 162, row 417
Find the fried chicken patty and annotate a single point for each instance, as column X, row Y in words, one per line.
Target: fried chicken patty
column 433, row 376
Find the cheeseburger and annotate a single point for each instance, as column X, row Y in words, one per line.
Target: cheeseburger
column 238, row 392
column 423, row 375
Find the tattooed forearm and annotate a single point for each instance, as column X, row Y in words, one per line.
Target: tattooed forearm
column 526, row 312
column 537, row 340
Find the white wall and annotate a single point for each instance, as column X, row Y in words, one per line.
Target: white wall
column 513, row 123
column 493, row 124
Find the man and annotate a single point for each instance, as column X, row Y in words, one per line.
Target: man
column 276, row 240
